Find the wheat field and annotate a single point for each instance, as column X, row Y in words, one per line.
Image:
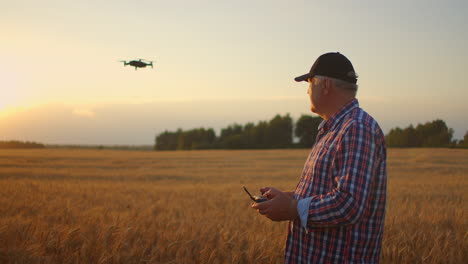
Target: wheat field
column 103, row 206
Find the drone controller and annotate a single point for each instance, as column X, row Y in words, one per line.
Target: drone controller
column 255, row 198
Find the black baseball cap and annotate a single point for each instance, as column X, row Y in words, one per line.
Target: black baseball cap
column 334, row 65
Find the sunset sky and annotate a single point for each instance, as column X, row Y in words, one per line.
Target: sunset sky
column 218, row 63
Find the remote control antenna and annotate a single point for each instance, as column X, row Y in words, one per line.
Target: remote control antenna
column 251, row 197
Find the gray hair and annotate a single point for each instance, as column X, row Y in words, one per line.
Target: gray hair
column 347, row 86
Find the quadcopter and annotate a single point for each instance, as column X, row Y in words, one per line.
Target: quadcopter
column 138, row 63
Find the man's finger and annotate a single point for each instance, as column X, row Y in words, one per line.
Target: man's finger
column 271, row 193
column 264, row 189
column 261, row 206
column 263, row 212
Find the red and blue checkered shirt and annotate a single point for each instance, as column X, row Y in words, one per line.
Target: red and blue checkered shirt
column 344, row 185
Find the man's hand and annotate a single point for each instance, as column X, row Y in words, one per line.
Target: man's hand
column 265, row 189
column 280, row 207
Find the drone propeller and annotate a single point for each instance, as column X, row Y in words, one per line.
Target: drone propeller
column 145, row 60
column 124, row 62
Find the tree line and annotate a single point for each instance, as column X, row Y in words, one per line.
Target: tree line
column 272, row 134
column 278, row 133
column 4, row 144
column 434, row 134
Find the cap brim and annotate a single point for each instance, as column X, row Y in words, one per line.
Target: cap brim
column 302, row 78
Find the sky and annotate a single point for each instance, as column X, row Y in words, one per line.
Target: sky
column 219, row 63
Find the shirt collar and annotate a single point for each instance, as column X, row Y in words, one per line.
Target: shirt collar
column 326, row 125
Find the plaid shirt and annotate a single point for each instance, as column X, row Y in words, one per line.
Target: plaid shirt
column 344, row 184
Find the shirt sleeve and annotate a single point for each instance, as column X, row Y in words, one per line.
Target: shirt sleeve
column 303, row 210
column 353, row 166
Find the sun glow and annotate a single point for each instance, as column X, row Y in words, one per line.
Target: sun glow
column 9, row 110
column 9, row 83
column 8, row 99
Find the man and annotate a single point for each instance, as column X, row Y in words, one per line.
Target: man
column 337, row 211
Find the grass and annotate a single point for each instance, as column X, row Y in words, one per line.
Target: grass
column 107, row 206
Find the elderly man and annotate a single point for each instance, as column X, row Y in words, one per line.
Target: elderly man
column 337, row 211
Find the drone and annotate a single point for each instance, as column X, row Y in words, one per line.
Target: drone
column 138, row 63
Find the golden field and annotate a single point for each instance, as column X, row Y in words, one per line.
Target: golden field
column 103, row 206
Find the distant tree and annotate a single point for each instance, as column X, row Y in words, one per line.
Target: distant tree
column 198, row 138
column 20, row 144
column 249, row 135
column 411, row 138
column 279, row 132
column 395, row 138
column 306, row 130
column 259, row 135
column 205, row 139
column 235, row 141
column 464, row 142
column 434, row 134
column 234, row 129
column 431, row 134
column 403, row 138
column 232, row 137
column 167, row 140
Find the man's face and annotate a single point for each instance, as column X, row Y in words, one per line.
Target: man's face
column 314, row 94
